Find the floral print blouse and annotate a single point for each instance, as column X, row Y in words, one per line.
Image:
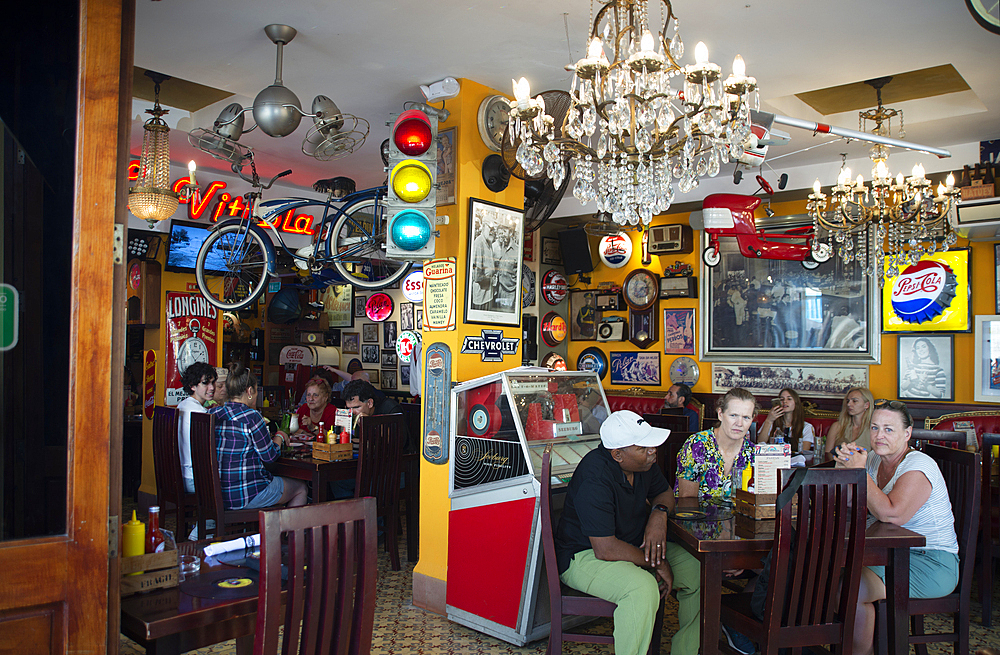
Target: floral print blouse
column 701, row 461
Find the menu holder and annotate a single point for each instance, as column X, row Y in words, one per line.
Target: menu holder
column 160, row 571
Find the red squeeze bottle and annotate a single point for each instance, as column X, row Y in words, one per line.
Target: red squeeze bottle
column 154, row 537
column 345, row 437
column 321, row 434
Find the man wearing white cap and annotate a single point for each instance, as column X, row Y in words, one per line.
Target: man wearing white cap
column 612, row 538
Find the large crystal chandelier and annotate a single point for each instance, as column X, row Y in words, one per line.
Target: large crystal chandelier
column 639, row 120
column 891, row 223
column 151, row 198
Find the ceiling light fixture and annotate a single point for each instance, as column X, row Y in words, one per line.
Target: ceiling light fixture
column 152, row 199
column 896, row 220
column 639, row 120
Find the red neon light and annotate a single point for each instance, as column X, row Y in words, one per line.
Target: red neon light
column 196, row 209
column 301, row 224
column 179, row 184
column 133, row 170
column 237, row 206
column 223, row 199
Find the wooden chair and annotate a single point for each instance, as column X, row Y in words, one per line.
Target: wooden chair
column 329, row 605
column 829, row 532
column 208, row 486
column 989, row 508
column 960, row 470
column 379, row 464
column 170, row 493
column 940, row 437
column 565, row 601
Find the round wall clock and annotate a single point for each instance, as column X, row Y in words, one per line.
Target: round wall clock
column 492, row 120
column 641, row 289
column 554, row 329
column 593, row 359
column 527, row 287
column 684, row 370
column 554, row 287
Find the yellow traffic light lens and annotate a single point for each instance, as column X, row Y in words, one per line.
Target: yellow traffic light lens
column 411, row 180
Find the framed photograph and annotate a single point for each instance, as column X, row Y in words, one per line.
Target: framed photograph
column 585, row 315
column 824, row 381
column 332, row 338
column 551, row 252
column 987, row 365
column 776, row 311
column 493, row 278
column 446, row 167
column 369, row 333
column 359, row 306
column 934, row 298
column 678, row 331
column 404, row 376
column 351, row 343
column 389, row 334
column 419, row 318
column 390, row 359
column 633, row 368
column 338, row 303
column 389, row 379
column 926, row 367
column 373, row 377
column 529, row 247
column 369, row 354
column 406, row 316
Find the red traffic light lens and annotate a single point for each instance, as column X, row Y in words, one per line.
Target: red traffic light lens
column 412, row 133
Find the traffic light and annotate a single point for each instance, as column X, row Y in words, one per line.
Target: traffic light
column 411, row 203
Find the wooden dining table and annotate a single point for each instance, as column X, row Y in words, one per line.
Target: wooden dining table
column 718, row 547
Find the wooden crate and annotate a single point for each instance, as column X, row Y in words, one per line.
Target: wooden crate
column 758, row 506
column 978, row 191
column 159, row 571
column 332, row 452
column 750, row 528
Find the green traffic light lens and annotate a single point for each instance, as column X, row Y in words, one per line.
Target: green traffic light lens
column 411, row 230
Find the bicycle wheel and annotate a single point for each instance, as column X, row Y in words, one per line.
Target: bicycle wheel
column 232, row 265
column 357, row 247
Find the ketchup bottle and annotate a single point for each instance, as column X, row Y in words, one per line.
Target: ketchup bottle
column 154, row 537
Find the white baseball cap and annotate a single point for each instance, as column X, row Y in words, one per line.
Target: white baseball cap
column 624, row 428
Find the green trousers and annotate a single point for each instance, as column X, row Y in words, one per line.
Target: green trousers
column 636, row 593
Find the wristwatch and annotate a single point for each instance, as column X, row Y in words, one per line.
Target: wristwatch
column 662, row 508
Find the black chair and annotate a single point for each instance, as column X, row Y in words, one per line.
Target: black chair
column 381, row 440
column 960, row 470
column 329, row 605
column 989, row 545
column 939, row 437
column 170, row 493
column 802, row 607
column 565, row 601
column 208, row 486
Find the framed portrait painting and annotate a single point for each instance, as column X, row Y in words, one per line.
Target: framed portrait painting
column 926, row 367
column 493, row 281
column 389, row 334
column 584, row 314
column 359, row 306
column 406, row 316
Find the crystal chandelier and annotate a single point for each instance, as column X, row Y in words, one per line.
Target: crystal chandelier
column 891, row 223
column 639, row 120
column 151, row 198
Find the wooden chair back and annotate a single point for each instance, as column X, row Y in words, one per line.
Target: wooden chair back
column 947, row 438
column 170, row 493
column 814, row 552
column 666, row 454
column 989, row 524
column 330, row 567
column 381, row 440
column 208, row 485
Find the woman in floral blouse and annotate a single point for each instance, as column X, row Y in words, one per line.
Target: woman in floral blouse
column 711, row 459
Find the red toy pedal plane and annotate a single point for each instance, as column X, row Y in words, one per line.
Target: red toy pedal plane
column 731, row 215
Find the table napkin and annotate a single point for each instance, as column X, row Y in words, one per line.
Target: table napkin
column 236, row 544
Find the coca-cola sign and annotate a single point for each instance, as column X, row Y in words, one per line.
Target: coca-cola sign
column 923, row 291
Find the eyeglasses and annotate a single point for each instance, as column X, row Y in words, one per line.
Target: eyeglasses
column 313, row 396
column 882, row 403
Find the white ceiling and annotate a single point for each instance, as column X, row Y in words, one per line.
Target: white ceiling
column 370, row 57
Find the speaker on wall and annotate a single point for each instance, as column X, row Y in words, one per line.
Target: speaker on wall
column 529, row 338
column 575, row 251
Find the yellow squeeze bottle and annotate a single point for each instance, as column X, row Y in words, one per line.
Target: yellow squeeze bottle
column 745, row 482
column 134, row 539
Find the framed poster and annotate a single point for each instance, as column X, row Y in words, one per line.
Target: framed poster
column 926, row 367
column 529, row 247
column 987, row 364
column 678, row 331
column 389, row 379
column 192, row 335
column 446, row 167
column 351, row 343
column 390, row 359
column 933, row 295
column 406, row 316
column 551, row 252
column 634, row 368
column 776, row 311
column 493, row 282
column 370, row 354
column 404, row 376
column 389, row 334
column 369, row 333
column 359, row 306
column 338, row 303
column 440, row 282
column 996, row 275
column 373, row 377
column 584, row 314
column 824, row 381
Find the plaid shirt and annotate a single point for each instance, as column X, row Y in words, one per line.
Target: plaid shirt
column 243, row 444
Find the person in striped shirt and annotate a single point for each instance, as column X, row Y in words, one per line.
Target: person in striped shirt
column 923, row 377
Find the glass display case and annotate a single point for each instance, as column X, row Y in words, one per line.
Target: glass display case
column 500, row 424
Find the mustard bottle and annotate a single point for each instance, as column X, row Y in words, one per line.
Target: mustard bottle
column 134, row 539
column 747, row 475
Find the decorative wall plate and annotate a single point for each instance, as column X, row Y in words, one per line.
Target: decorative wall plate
column 527, row 287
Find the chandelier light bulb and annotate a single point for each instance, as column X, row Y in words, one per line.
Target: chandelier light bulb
column 646, row 43
column 881, row 171
column 522, row 91
column 950, row 182
column 918, row 171
column 816, row 187
column 739, row 66
column 899, row 179
column 941, row 190
column 191, row 171
column 595, row 48
column 845, row 176
column 860, row 182
column 701, row 54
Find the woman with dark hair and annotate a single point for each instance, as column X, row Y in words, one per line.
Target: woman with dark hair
column 923, row 377
column 788, row 417
column 905, row 487
column 244, row 445
column 198, row 381
column 854, row 424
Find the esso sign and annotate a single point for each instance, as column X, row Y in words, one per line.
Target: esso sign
column 413, row 286
column 923, row 291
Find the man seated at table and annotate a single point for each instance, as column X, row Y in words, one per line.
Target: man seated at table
column 612, row 545
column 678, row 396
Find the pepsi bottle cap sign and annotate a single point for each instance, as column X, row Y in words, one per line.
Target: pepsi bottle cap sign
column 923, row 291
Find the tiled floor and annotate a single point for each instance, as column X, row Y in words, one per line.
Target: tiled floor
column 402, row 629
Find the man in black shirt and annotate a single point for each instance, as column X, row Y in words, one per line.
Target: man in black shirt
column 612, row 538
column 365, row 400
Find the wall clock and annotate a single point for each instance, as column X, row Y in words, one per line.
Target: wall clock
column 492, row 120
column 641, row 289
column 684, row 370
column 986, row 14
column 643, row 326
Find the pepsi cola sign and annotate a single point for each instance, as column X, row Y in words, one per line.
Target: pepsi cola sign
column 923, row 291
column 615, row 250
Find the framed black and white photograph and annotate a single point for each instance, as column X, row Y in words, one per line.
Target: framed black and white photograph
column 332, row 338
column 493, row 282
column 821, row 381
column 373, row 377
column 406, row 316
column 419, row 319
column 777, row 311
column 359, row 306
column 389, row 334
column 551, row 252
column 370, row 354
column 351, row 344
column 446, row 167
column 390, row 359
column 404, row 375
column 584, row 314
column 369, row 333
column 389, row 380
column 926, row 367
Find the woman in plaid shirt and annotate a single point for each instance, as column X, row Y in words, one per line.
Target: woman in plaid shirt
column 244, row 444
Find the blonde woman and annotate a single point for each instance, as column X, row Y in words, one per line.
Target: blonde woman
column 855, row 422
